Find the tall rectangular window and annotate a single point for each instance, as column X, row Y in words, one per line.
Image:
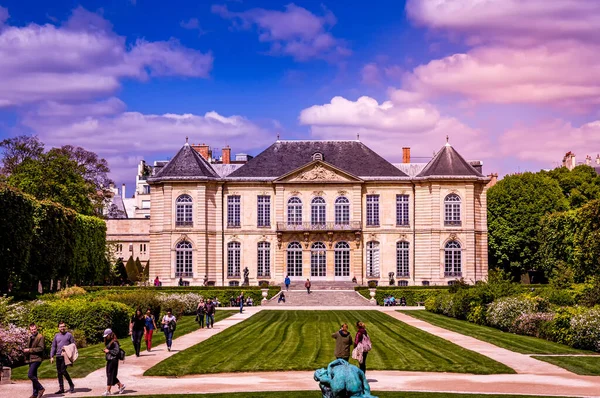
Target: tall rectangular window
column 402, row 210
column 233, row 259
column 264, row 211
column 372, row 210
column 402, row 260
column 264, row 260
column 233, row 211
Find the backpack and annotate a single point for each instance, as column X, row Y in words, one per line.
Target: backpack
column 366, row 343
column 121, row 355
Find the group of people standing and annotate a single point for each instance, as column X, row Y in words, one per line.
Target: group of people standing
column 206, row 310
column 362, row 344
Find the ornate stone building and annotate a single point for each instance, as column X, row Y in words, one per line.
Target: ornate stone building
column 324, row 210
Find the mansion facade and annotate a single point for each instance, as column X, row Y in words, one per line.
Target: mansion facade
column 318, row 210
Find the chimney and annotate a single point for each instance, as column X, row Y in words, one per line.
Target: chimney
column 588, row 160
column 123, row 191
column 203, row 150
column 569, row 161
column 226, row 155
column 405, row 155
column 597, row 159
column 493, row 179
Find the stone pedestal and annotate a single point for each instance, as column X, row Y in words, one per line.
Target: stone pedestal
column 265, row 293
column 372, row 294
column 5, row 375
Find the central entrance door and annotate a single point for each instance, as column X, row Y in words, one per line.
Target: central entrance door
column 318, row 261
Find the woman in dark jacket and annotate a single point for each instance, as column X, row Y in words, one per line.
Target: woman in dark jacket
column 111, row 350
column 362, row 331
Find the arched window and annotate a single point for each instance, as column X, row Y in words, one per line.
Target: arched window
column 264, row 259
column 294, row 216
column 183, row 211
column 452, row 259
column 402, row 260
column 317, row 211
column 373, row 259
column 294, row 259
column 183, row 259
column 318, row 259
column 342, row 259
column 342, row 211
column 317, row 156
column 233, row 259
column 452, row 209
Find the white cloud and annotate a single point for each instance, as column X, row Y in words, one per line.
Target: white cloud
column 84, row 59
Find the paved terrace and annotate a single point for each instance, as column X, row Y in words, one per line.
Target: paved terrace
column 533, row 377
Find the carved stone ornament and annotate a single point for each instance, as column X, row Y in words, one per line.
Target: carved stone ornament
column 294, row 193
column 403, row 236
column 342, row 193
column 318, row 193
column 452, row 236
column 319, row 173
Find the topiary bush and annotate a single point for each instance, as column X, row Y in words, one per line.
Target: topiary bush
column 70, row 292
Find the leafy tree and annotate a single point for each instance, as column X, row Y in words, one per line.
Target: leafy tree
column 18, row 149
column 579, row 185
column 516, row 205
column 55, row 177
column 586, row 241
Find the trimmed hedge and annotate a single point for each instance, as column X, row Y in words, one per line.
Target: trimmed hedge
column 90, row 317
column 412, row 295
column 42, row 240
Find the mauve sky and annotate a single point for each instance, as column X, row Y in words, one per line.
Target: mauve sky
column 515, row 83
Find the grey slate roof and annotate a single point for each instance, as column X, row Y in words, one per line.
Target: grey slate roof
column 186, row 165
column 224, row 170
column 448, row 163
column 352, row 157
column 412, row 169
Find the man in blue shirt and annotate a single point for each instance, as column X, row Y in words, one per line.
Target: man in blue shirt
column 61, row 339
column 287, row 282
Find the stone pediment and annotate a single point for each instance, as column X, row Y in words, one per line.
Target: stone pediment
column 318, row 171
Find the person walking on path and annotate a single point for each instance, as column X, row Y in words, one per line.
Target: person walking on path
column 241, row 298
column 210, row 314
column 343, row 342
column 200, row 313
column 136, row 330
column 112, row 351
column 287, row 282
column 307, row 285
column 150, row 326
column 169, row 323
column 61, row 339
column 362, row 338
column 34, row 353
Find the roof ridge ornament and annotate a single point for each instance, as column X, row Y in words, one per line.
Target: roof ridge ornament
column 186, row 140
column 447, row 139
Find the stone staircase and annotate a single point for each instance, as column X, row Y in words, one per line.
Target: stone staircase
column 330, row 294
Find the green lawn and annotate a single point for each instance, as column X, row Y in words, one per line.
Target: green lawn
column 317, row 394
column 92, row 357
column 301, row 340
column 589, row 366
column 510, row 341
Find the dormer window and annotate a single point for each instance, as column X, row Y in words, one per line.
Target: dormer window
column 317, row 156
